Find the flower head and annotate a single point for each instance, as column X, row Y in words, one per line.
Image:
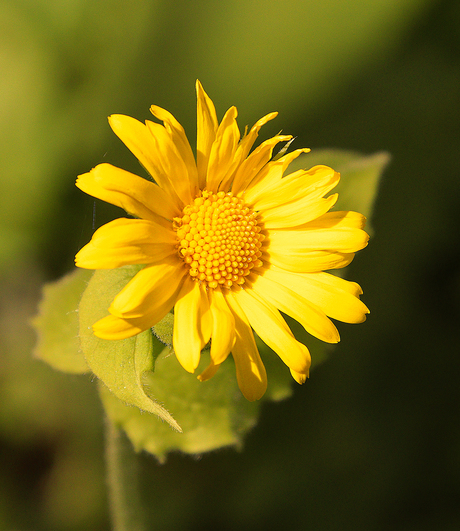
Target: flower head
column 227, row 240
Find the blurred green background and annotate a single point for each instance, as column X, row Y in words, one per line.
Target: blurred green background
column 372, row 440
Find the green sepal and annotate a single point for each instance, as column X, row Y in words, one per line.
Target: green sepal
column 57, row 323
column 119, row 364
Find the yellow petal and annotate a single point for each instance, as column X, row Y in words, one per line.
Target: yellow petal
column 270, row 175
column 338, row 283
column 242, row 151
column 337, row 298
column 291, row 303
column 223, row 150
column 151, row 292
column 248, row 140
column 338, row 219
column 209, row 372
column 300, row 377
column 187, row 337
column 112, row 327
column 267, row 322
column 300, row 185
column 135, row 195
column 297, row 213
column 138, row 139
column 125, row 242
column 179, row 139
column 206, row 132
column 223, row 327
column 250, row 371
column 205, row 320
column 343, row 240
column 300, row 261
column 170, row 165
column 251, row 166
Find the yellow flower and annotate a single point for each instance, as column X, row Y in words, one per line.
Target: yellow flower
column 227, row 241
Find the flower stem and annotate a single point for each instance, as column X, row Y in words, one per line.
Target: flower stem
column 126, row 509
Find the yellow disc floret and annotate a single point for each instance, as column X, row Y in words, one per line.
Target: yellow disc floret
column 219, row 239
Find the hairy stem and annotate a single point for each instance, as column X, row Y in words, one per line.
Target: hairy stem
column 125, row 501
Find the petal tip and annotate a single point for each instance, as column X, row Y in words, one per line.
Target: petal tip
column 199, row 88
column 187, row 364
column 254, row 393
column 300, row 377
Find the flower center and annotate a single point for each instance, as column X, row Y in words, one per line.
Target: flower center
column 219, row 239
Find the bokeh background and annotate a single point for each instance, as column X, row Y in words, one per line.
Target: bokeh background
column 372, row 440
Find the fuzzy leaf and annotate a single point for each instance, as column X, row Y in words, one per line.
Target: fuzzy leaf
column 57, row 326
column 119, row 364
column 212, row 414
column 164, row 329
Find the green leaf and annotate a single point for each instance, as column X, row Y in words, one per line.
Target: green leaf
column 164, row 329
column 118, row 364
column 57, row 323
column 212, row 414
